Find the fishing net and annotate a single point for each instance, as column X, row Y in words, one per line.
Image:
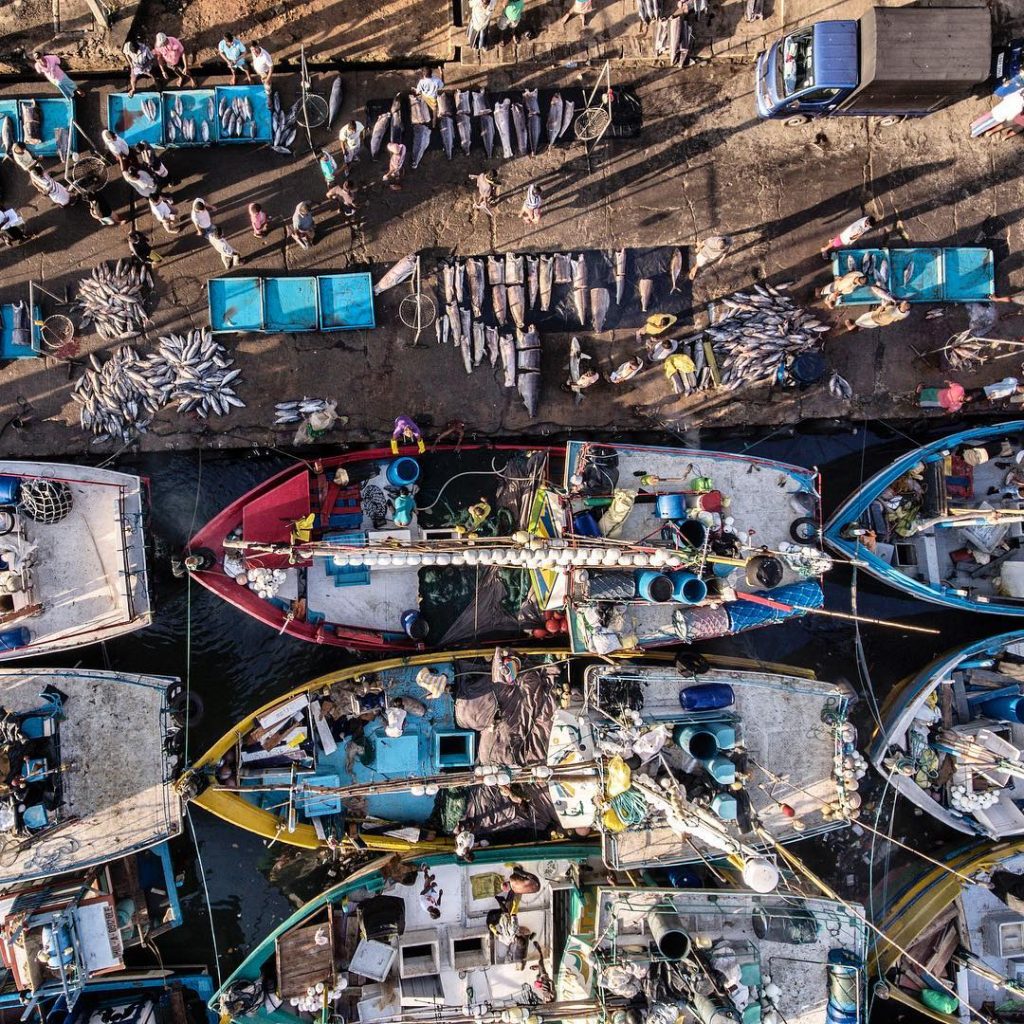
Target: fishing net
column 451, row 807
column 45, row 501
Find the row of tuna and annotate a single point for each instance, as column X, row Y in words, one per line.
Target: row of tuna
column 283, row 124
column 519, row 126
column 120, row 397
column 112, row 298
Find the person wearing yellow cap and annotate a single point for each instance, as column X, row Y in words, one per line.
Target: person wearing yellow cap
column 681, row 373
column 657, row 323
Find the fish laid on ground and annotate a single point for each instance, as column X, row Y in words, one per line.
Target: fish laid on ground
column 646, row 292
column 454, row 322
column 462, row 101
column 467, row 332
column 464, row 125
column 546, row 274
column 420, row 142
column 419, row 112
column 839, row 387
column 530, row 103
column 533, row 278
column 475, row 275
column 563, row 268
column 508, row 358
column 620, row 275
column 568, row 110
column 480, row 103
column 533, row 128
column 400, row 272
column 513, row 268
column 396, row 119
column 334, row 103
column 492, row 345
column 459, row 275
column 599, row 302
column 579, row 287
column 439, row 329
column 479, row 343
column 519, row 120
column 466, row 348
column 554, row 118
column 579, row 380
column 448, row 282
column 495, row 270
column 487, row 133
column 380, row 127
column 528, row 369
column 499, row 303
column 517, row 304
column 447, row 130
column 445, row 108
column 501, row 121
column 675, row 269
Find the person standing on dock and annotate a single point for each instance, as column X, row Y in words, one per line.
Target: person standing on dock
column 147, row 157
column 141, row 250
column 45, row 184
column 232, row 52
column 164, row 213
column 170, row 58
column 396, row 153
column 429, row 87
column 532, row 204
column 116, row 147
column 351, row 139
column 328, row 165
column 227, row 252
column 141, row 63
column 48, row 65
column 303, row 227
column 12, row 228
column 23, row 157
column 201, row 219
column 140, row 179
column 486, row 191
column 262, row 64
column 711, row 250
column 101, row 212
column 847, row 236
column 258, row 220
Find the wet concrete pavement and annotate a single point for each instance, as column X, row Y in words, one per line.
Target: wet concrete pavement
column 702, row 165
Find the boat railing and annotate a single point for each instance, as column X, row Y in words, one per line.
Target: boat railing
column 128, row 570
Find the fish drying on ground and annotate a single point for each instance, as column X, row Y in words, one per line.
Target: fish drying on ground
column 334, row 103
column 465, row 129
column 492, row 345
column 467, row 328
column 448, row 282
column 554, row 125
column 499, row 303
column 528, row 368
column 380, row 128
column 396, row 119
column 513, row 268
column 479, row 343
column 487, row 133
column 563, row 268
column 447, row 130
column 462, row 101
column 475, row 274
column 454, row 322
column 533, row 278
column 466, row 350
column 400, row 272
column 646, row 289
column 546, row 275
column 620, row 275
column 459, row 269
column 599, row 302
column 445, row 107
column 508, row 358
column 502, row 122
column 568, row 110
column 519, row 120
column 579, row 380
column 112, row 299
column 495, row 270
column 419, row 112
column 420, row 142
column 579, row 287
column 480, row 103
column 517, row 304
column 534, row 127
column 675, row 269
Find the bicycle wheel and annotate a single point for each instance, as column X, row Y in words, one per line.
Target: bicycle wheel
column 592, row 124
column 56, row 331
column 408, row 307
column 88, row 174
column 313, row 112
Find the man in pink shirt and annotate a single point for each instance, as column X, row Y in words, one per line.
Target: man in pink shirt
column 170, row 56
column 48, row 65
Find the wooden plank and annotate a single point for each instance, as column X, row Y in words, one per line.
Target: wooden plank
column 301, row 962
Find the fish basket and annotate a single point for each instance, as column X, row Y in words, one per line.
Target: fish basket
column 407, row 311
column 57, row 334
column 313, row 113
column 88, row 174
column 592, row 124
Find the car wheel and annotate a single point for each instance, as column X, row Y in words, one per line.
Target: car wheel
column 797, row 119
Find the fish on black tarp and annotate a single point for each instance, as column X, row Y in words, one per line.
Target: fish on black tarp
column 466, row 349
column 448, row 282
column 554, row 125
column 401, row 271
column 447, row 130
column 579, row 379
column 599, row 303
column 646, row 288
column 546, row 276
column 563, row 268
column 419, row 112
column 334, row 103
column 479, row 343
column 444, row 104
column 528, row 355
column 507, row 347
column 503, row 124
column 499, row 303
column 420, row 142
column 396, row 119
column 530, row 102
column 568, row 110
column 620, row 275
column 675, row 268
column 462, row 102
column 513, row 268
column 579, row 287
column 460, row 281
column 480, row 103
column 519, row 120
column 533, row 279
column 466, row 328
column 475, row 276
column 487, row 133
column 465, row 129
column 454, row 322
column 492, row 345
column 380, row 127
column 495, row 270
column 517, row 304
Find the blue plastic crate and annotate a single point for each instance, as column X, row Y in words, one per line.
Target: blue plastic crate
column 346, row 302
column 290, row 304
column 236, row 304
column 195, row 107
column 257, row 96
column 126, row 117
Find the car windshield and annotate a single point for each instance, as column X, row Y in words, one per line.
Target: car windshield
column 795, row 65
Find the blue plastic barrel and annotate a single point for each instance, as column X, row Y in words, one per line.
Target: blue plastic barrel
column 403, row 472
column 721, row 769
column 707, row 697
column 697, row 741
column 687, row 588
column 585, row 525
column 725, row 806
column 693, row 532
column 654, row 586
column 9, row 488
column 1008, row 708
column 671, row 506
column 415, row 626
column 12, row 639
column 683, row 877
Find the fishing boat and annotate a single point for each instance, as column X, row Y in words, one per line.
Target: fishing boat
column 621, row 546
column 951, row 934
column 66, row 943
column 944, row 522
column 72, row 547
column 663, row 765
column 952, row 737
column 88, row 766
column 541, row 938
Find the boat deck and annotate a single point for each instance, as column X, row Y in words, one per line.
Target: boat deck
column 117, row 795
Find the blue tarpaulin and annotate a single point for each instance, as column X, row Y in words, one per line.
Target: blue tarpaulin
column 748, row 615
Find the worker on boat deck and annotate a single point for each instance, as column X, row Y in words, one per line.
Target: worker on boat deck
column 405, row 508
column 302, row 529
column 478, row 515
column 407, row 431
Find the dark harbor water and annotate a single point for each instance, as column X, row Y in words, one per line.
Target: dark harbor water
column 234, row 664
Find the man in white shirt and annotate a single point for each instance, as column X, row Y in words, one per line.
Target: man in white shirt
column 228, row 254
column 262, row 64
column 429, row 87
column 201, row 219
column 351, row 139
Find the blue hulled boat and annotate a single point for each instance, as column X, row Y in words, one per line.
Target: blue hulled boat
column 945, row 522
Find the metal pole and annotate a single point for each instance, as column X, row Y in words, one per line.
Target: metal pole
column 304, row 85
column 417, row 286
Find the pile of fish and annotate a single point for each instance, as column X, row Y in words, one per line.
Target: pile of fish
column 673, row 38
column 283, row 125
column 294, row 411
column 236, row 118
column 759, row 332
column 151, row 108
column 967, row 353
column 112, row 299
column 120, row 397
column 516, row 120
column 190, row 119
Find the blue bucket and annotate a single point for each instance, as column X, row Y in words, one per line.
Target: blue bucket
column 9, row 489
column 654, row 586
column 707, row 697
column 697, row 741
column 1008, row 708
column 403, row 472
column 13, row 639
column 687, row 588
column 725, row 806
column 415, row 626
column 671, row 506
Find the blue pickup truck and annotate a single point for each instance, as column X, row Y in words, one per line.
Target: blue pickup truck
column 894, row 62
